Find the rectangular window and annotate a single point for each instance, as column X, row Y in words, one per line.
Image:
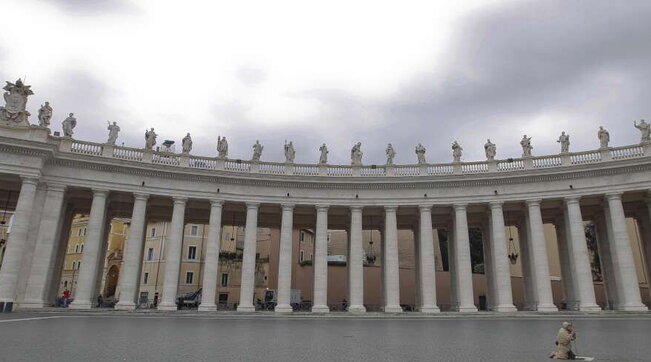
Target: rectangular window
column 302, row 256
column 224, row 280
column 192, row 252
column 150, row 254
column 194, row 230
column 145, row 279
column 153, row 232
column 189, row 276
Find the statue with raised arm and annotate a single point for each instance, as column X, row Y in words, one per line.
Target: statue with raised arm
column 323, row 159
column 391, row 153
column 15, row 110
column 222, row 147
column 456, row 151
column 420, row 154
column 526, row 146
column 564, row 140
column 645, row 130
column 113, row 132
column 257, row 151
column 44, row 115
column 491, row 150
column 356, row 154
column 150, row 139
column 186, row 144
column 290, row 153
column 68, row 125
column 604, row 137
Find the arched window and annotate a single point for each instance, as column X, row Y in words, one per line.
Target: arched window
column 81, row 249
column 76, row 248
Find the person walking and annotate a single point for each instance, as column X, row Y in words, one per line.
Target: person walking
column 65, row 297
column 99, row 301
column 564, row 340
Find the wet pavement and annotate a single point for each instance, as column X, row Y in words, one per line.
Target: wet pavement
column 209, row 337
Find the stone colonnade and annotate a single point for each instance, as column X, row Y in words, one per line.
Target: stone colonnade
column 614, row 246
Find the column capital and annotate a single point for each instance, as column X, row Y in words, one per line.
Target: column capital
column 140, row 196
column 179, row 200
column 100, row 192
column 572, row 199
column 460, row 207
column 356, row 208
column 56, row 187
column 322, row 207
column 533, row 202
column 425, row 207
column 287, row 206
column 252, row 205
column 495, row 204
column 613, row 196
column 29, row 180
column 392, row 208
column 216, row 202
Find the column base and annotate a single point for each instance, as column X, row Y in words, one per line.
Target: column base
column 283, row 308
column 632, row 308
column 546, row 308
column 80, row 305
column 125, row 306
column 167, row 306
column 246, row 308
column 357, row 309
column 505, row 308
column 589, row 308
column 466, row 309
column 429, row 309
column 393, row 309
column 207, row 307
column 320, row 309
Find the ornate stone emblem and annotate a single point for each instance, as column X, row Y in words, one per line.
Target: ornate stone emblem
column 14, row 112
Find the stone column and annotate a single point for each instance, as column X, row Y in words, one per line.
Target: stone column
column 564, row 252
column 503, row 293
column 173, row 255
column 628, row 289
column 247, row 284
column 524, row 237
column 47, row 243
column 644, row 222
column 211, row 266
column 463, row 268
column 321, row 261
column 90, row 261
column 579, row 257
column 427, row 263
column 489, row 271
column 391, row 264
column 604, row 235
column 285, row 260
column 133, row 248
column 356, row 262
column 538, row 258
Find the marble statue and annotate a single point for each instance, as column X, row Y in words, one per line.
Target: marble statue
column 391, row 153
column 564, row 140
column 44, row 115
column 456, row 151
column 323, row 159
column 290, row 153
column 113, row 132
column 150, row 139
column 356, row 154
column 491, row 150
column 420, row 154
column 15, row 112
column 604, row 137
column 68, row 125
column 645, row 129
column 186, row 144
column 222, row 147
column 257, row 151
column 526, row 146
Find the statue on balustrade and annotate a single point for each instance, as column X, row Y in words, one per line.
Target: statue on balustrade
column 290, row 153
column 391, row 153
column 456, row 151
column 420, row 154
column 323, row 159
column 604, row 137
column 186, row 144
column 526, row 146
column 645, row 129
column 257, row 151
column 68, row 125
column 44, row 115
column 15, row 112
column 150, row 139
column 564, row 140
column 222, row 147
column 113, row 132
column 356, row 154
column 491, row 150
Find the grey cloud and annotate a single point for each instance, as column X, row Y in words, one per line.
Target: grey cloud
column 95, row 7
column 251, row 76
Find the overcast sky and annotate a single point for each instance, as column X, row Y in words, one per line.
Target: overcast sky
column 340, row 72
